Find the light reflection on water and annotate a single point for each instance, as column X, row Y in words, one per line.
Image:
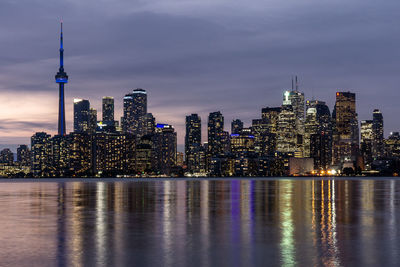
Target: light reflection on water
column 200, row 223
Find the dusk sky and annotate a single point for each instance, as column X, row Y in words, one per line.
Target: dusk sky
column 195, row 57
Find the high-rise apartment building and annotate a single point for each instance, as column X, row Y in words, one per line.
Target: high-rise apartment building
column 135, row 107
column 192, row 140
column 378, row 144
column 41, row 154
column 215, row 134
column 164, row 142
column 24, row 155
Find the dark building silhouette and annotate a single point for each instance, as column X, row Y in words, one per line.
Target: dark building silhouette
column 82, row 116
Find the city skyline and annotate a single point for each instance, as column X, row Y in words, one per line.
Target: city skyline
column 187, row 75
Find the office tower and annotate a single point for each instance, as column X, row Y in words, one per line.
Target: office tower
column 144, row 155
column 236, row 126
column 271, row 115
column 60, row 152
column 392, row 145
column 6, row 156
column 149, row 124
column 295, row 99
column 367, row 135
column 81, row 116
column 61, row 79
column 80, row 156
column 242, row 143
column 286, row 141
column 192, row 140
column 264, row 140
column 24, row 155
column 345, row 137
column 108, row 153
column 318, row 134
column 108, row 110
column 378, row 145
column 92, row 120
column 164, row 142
column 135, row 107
column 41, row 154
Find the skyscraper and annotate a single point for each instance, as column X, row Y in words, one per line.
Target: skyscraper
column 41, row 154
column 378, row 145
column 192, row 140
column 215, row 133
column 345, row 137
column 92, row 120
column 318, row 134
column 108, row 110
column 81, row 116
column 366, row 142
column 135, row 107
column 61, row 79
column 236, row 126
column 164, row 141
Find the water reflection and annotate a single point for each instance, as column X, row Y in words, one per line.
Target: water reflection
column 200, row 223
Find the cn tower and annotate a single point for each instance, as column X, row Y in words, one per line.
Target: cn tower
column 61, row 79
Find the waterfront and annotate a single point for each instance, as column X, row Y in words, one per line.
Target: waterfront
column 201, row 222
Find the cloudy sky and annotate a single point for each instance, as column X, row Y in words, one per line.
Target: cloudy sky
column 195, row 57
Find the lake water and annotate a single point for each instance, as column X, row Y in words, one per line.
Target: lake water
column 260, row 222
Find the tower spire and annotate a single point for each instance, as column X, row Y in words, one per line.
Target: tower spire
column 61, row 79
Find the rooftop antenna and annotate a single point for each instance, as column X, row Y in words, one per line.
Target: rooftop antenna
column 297, row 84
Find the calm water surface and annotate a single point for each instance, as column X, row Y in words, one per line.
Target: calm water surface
column 261, row 222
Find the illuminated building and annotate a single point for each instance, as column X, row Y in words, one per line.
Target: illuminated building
column 108, row 152
column 80, row 156
column 6, row 156
column 149, row 124
column 192, row 141
column 92, row 120
column 392, row 145
column 378, row 145
column 271, row 115
column 81, row 116
column 60, row 153
column 144, row 154
column 345, row 135
column 179, row 159
column 24, row 155
column 264, row 140
column 318, row 134
column 242, row 144
column 108, row 110
column 236, row 126
column 61, row 78
column 164, row 142
column 286, row 131
column 135, row 107
column 366, row 142
column 41, row 154
column 215, row 133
